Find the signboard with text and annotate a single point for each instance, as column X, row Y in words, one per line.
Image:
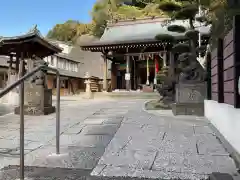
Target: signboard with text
column 127, row 76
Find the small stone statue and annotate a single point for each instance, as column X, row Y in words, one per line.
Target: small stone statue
column 39, row 78
column 190, row 69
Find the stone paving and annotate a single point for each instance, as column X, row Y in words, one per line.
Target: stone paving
column 164, row 147
column 117, row 138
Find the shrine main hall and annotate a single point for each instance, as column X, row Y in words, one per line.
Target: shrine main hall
column 136, row 55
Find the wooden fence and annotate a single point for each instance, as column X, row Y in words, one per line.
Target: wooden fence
column 225, row 69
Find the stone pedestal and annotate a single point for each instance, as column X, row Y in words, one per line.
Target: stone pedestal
column 37, row 100
column 189, row 99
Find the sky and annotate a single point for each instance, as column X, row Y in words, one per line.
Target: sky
column 19, row 16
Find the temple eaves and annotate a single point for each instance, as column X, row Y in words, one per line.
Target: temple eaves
column 138, row 33
column 31, row 43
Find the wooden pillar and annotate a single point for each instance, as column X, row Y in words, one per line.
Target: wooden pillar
column 128, row 75
column 10, row 65
column 164, row 59
column 113, row 75
column 220, row 71
column 172, row 64
column 134, row 75
column 17, row 63
column 105, row 72
column 209, row 79
column 147, row 82
column 4, row 80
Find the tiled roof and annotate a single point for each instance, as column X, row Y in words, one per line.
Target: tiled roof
column 139, row 31
column 34, row 37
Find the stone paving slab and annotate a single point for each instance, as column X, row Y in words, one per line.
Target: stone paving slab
column 145, row 145
column 70, row 157
column 115, row 120
column 76, row 129
column 199, row 164
column 10, row 144
column 129, row 158
column 100, row 129
column 112, row 171
column 164, row 147
column 43, row 173
column 94, row 120
column 210, row 144
column 203, row 130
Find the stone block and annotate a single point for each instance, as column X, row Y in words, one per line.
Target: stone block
column 35, row 111
column 189, row 99
column 190, row 93
column 37, row 100
column 188, row 109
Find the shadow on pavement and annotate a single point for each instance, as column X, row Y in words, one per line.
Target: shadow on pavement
column 43, row 173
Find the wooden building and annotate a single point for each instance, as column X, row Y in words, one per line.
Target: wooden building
column 3, row 71
column 223, row 101
column 135, row 54
column 73, row 65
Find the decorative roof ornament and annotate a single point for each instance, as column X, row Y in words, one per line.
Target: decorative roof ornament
column 34, row 30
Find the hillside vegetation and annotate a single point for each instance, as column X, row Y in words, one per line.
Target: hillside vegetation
column 105, row 10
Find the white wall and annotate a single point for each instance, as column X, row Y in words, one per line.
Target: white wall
column 226, row 119
column 66, row 48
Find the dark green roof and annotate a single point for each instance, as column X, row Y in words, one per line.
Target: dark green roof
column 39, row 45
column 139, row 31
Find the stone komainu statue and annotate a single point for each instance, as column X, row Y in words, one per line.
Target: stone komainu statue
column 39, row 78
column 190, row 69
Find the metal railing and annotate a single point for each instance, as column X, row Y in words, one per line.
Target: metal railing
column 20, row 82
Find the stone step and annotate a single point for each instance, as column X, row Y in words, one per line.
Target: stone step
column 43, row 173
column 132, row 95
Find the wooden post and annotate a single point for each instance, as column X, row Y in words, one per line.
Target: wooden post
column 236, row 71
column 134, row 75
column 113, row 75
column 127, row 75
column 209, row 79
column 156, row 60
column 147, row 82
column 10, row 65
column 105, row 70
column 164, row 59
column 172, row 65
column 220, row 71
column 17, row 64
